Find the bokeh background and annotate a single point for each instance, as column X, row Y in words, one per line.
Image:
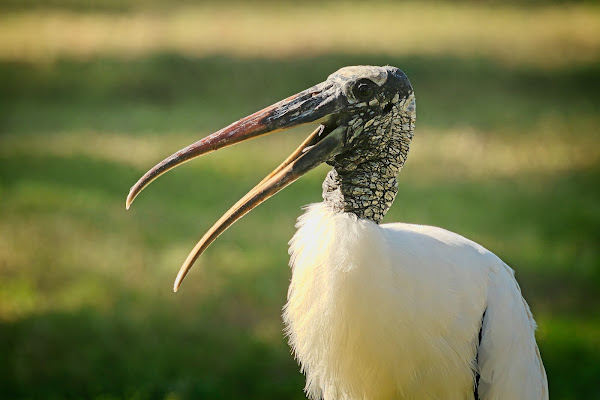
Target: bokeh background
column 93, row 93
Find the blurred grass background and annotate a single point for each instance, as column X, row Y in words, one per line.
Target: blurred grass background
column 506, row 152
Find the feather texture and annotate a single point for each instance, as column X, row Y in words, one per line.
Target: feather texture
column 394, row 311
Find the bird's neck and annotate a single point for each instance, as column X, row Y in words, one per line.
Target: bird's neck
column 364, row 180
column 356, row 193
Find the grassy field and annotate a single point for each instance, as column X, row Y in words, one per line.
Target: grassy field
column 506, row 152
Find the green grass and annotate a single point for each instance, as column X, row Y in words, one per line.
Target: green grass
column 505, row 154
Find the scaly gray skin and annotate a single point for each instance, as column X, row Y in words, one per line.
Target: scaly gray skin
column 363, row 180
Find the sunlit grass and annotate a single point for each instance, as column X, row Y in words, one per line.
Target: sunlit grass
column 436, row 154
column 544, row 36
column 76, row 265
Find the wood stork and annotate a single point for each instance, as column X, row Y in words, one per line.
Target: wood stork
column 392, row 311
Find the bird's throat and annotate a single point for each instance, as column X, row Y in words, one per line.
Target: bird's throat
column 367, row 193
column 364, row 179
column 367, row 188
column 360, row 194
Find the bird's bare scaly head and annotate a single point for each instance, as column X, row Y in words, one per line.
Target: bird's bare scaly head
column 365, row 114
column 365, row 93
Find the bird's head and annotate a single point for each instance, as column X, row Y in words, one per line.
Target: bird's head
column 366, row 118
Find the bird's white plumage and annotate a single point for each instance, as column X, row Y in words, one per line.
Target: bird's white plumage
column 395, row 310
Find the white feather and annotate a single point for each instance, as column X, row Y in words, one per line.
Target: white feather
column 394, row 311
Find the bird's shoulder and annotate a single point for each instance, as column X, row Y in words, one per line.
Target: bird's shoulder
column 440, row 242
column 431, row 233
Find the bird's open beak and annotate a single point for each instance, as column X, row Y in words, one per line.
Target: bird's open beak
column 317, row 104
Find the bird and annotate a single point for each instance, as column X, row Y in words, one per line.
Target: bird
column 378, row 310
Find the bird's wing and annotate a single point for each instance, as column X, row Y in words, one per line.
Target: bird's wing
column 508, row 359
column 510, row 366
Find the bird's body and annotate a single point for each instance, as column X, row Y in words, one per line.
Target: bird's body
column 395, row 311
column 392, row 311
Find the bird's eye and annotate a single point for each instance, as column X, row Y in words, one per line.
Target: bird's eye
column 364, row 89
